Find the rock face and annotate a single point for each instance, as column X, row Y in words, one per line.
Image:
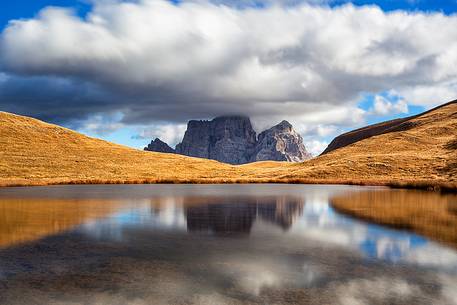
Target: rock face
column 281, row 143
column 231, row 139
column 159, row 146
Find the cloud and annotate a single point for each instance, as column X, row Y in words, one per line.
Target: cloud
column 427, row 94
column 101, row 124
column 153, row 60
column 316, row 147
column 172, row 134
column 383, row 106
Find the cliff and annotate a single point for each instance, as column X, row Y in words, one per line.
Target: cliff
column 231, row 139
column 281, row 143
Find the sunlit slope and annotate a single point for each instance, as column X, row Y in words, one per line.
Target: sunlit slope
column 376, row 129
column 425, row 151
column 34, row 152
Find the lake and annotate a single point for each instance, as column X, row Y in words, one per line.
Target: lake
column 211, row 244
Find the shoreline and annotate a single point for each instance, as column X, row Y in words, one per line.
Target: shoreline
column 427, row 185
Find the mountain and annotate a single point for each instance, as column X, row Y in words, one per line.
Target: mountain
column 280, row 143
column 421, row 150
column 33, row 152
column 159, row 146
column 231, row 139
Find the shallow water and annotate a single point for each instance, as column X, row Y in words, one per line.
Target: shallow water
column 210, row 244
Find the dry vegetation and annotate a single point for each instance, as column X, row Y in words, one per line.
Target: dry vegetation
column 36, row 153
column 426, row 213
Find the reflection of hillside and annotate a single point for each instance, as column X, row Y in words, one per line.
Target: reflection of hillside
column 27, row 220
column 428, row 213
column 237, row 214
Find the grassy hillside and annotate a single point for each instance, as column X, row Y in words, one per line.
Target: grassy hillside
column 34, row 153
column 426, row 152
column 375, row 130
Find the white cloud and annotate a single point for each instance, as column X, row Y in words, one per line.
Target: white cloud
column 382, row 106
column 305, row 63
column 315, row 147
column 171, row 134
column 101, row 124
column 431, row 95
column 325, row 130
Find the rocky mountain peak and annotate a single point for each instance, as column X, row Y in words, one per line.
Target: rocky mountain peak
column 281, row 143
column 283, row 125
column 231, row 139
column 159, row 146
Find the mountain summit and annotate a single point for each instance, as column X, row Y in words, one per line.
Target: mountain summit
column 231, row 139
column 281, row 143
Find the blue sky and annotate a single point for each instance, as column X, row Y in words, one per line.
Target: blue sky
column 16, row 9
column 445, row 6
column 128, row 81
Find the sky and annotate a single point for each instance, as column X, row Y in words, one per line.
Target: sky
column 130, row 71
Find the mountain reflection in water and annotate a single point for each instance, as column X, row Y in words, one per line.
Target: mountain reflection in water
column 237, row 214
column 214, row 244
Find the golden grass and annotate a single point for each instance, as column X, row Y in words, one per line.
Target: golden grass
column 36, row 153
column 426, row 213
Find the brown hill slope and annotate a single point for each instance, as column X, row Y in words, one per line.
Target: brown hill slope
column 375, row 129
column 33, row 152
column 425, row 152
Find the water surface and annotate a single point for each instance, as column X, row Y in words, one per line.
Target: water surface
column 211, row 244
